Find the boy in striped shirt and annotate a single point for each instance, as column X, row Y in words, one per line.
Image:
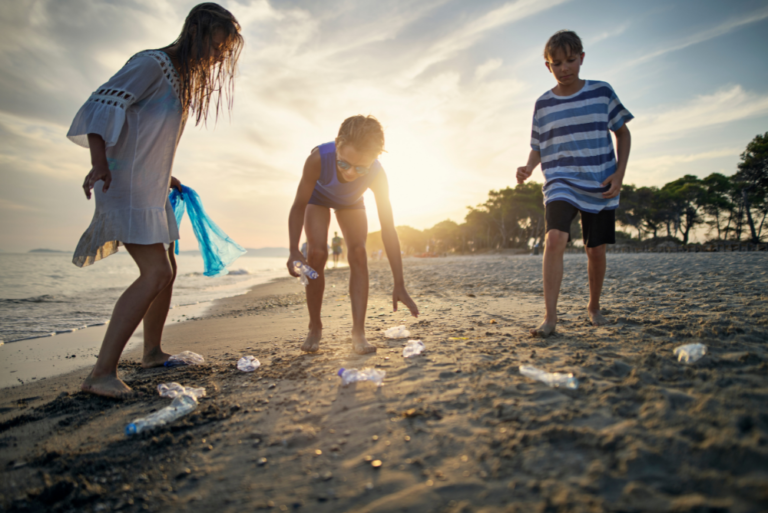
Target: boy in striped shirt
column 571, row 140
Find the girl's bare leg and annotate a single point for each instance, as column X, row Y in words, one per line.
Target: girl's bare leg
column 155, row 275
column 317, row 219
column 354, row 226
column 154, row 321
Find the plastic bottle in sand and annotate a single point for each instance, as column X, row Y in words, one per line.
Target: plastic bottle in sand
column 184, row 402
column 305, row 272
column 367, row 374
column 689, row 353
column 413, row 348
column 248, row 363
column 184, row 358
column 553, row 379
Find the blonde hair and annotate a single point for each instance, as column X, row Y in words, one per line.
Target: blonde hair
column 201, row 76
column 363, row 132
column 566, row 40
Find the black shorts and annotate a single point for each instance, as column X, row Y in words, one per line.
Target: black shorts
column 597, row 229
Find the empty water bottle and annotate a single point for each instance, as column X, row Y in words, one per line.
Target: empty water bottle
column 689, row 353
column 248, row 363
column 367, row 374
column 305, row 272
column 413, row 348
column 181, row 405
column 184, row 358
column 553, row 379
column 173, row 390
column 397, row 332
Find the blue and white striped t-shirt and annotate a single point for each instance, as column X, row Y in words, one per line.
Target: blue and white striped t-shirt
column 572, row 135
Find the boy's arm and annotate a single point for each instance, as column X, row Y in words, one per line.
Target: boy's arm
column 524, row 172
column 623, row 144
column 380, row 188
column 296, row 218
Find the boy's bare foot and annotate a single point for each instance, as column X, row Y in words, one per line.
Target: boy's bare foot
column 361, row 346
column 546, row 329
column 107, row 386
column 597, row 319
column 154, row 358
column 312, row 344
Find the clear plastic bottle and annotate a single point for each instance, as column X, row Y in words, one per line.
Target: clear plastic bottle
column 305, row 272
column 248, row 363
column 181, row 405
column 413, row 348
column 367, row 374
column 553, row 379
column 689, row 353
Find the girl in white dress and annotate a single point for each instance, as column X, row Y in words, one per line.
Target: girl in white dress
column 132, row 125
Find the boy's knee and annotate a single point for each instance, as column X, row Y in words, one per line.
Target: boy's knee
column 318, row 254
column 556, row 240
column 597, row 252
column 357, row 255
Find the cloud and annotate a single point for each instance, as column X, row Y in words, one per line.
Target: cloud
column 607, row 34
column 663, row 168
column 487, row 67
column 725, row 106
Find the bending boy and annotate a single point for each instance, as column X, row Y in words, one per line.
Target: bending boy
column 571, row 139
column 336, row 174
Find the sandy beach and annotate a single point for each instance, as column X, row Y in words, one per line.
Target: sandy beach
column 458, row 429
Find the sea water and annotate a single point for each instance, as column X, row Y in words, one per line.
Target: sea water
column 44, row 293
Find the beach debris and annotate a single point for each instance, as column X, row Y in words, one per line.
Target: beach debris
column 690, row 353
column 174, row 390
column 553, row 379
column 184, row 358
column 184, row 402
column 376, row 463
column 367, row 374
column 397, row 332
column 413, row 348
column 248, row 363
column 492, row 321
column 305, row 272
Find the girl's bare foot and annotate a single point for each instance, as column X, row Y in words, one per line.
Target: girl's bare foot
column 312, row 344
column 107, row 386
column 361, row 346
column 546, row 329
column 154, row 358
column 597, row 319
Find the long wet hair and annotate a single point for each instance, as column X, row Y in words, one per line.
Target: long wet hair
column 201, row 77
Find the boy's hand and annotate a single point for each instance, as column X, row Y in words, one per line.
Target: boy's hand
column 99, row 172
column 175, row 184
column 295, row 255
column 523, row 174
column 614, row 183
column 400, row 294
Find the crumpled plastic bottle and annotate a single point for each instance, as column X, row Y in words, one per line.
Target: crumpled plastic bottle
column 397, row 332
column 184, row 358
column 173, row 390
column 367, row 374
column 690, row 353
column 413, row 348
column 305, row 272
column 248, row 363
column 553, row 379
column 184, row 402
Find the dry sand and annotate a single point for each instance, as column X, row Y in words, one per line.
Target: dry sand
column 458, row 429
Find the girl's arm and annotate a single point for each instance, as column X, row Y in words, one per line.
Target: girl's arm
column 99, row 166
column 309, row 178
column 380, row 188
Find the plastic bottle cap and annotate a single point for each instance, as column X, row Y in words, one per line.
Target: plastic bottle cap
column 341, row 371
column 130, row 429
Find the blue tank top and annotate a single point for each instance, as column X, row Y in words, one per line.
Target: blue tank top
column 329, row 190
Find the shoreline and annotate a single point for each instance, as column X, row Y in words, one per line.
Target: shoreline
column 456, row 429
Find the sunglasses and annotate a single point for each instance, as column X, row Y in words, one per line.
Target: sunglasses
column 360, row 170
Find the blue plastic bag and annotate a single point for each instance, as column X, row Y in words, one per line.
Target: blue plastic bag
column 217, row 248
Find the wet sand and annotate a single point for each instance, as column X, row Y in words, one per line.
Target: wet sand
column 457, row 429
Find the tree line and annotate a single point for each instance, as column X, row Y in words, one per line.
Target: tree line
column 729, row 208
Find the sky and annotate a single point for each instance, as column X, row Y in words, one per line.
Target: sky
column 453, row 83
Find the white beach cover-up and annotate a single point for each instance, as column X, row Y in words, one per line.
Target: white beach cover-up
column 139, row 115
